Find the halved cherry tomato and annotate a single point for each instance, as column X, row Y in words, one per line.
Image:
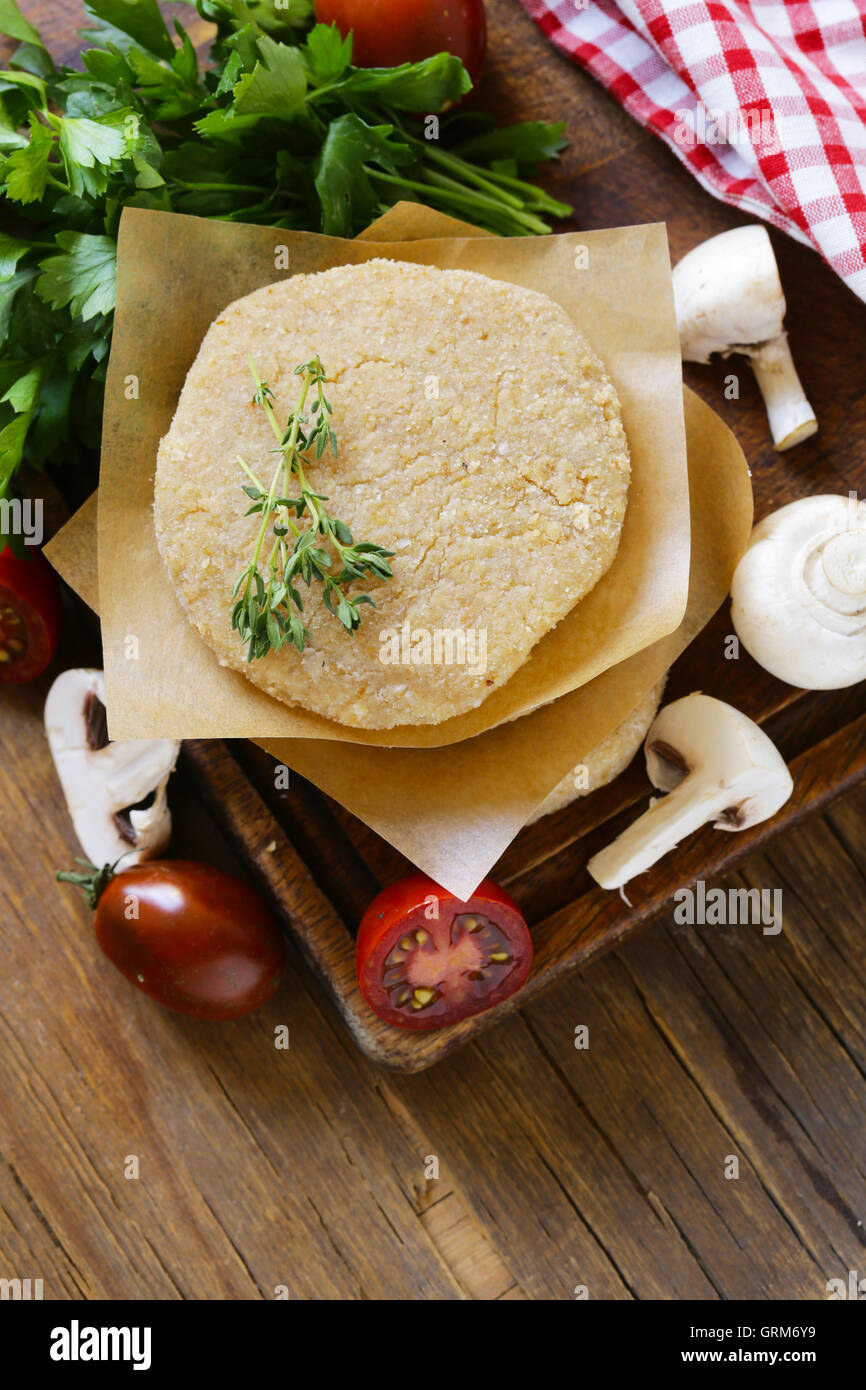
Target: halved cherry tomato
column 388, row 32
column 426, row 959
column 194, row 939
column 29, row 616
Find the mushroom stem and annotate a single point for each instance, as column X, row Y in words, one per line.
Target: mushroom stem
column 791, row 417
column 844, row 564
column 729, row 299
column 668, row 821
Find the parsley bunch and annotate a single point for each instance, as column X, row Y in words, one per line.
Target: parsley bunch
column 279, row 129
column 267, row 609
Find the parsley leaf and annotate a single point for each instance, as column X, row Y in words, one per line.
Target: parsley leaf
column 277, row 84
column 530, row 143
column 83, row 276
column 9, row 288
column 327, row 54
column 276, row 128
column 342, row 181
column 85, row 145
column 135, row 21
column 13, row 23
column 25, row 173
column 421, row 87
column 11, row 251
column 12, row 440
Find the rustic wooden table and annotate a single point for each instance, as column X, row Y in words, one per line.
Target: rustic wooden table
column 608, row 1168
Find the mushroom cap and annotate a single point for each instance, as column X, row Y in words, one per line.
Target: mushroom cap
column 799, row 593
column 728, row 294
column 101, row 783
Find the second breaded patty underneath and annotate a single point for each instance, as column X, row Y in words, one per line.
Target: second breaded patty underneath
column 480, row 439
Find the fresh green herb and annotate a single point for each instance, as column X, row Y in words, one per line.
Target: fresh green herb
column 268, row 607
column 279, row 129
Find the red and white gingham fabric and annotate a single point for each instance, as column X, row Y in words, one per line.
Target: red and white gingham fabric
column 795, row 69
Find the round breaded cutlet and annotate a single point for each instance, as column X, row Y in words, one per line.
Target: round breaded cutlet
column 607, row 759
column 480, row 439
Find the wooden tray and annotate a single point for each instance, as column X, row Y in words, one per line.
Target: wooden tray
column 326, row 866
column 320, row 866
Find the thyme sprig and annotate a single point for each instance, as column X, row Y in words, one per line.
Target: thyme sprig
column 268, row 606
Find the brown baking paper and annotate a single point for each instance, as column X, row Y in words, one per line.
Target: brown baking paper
column 72, row 552
column 453, row 811
column 176, row 274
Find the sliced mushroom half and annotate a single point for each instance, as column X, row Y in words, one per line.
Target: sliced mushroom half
column 717, row 766
column 115, row 792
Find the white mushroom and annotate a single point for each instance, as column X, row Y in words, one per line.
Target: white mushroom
column 729, row 299
column 116, row 792
column 717, row 767
column 799, row 593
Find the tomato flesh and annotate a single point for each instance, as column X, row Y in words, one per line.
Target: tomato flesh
column 389, row 32
column 29, row 616
column 197, row 941
column 426, row 959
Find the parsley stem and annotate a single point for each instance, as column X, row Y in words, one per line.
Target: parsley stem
column 525, row 219
column 217, row 187
column 469, row 175
column 440, row 189
column 534, row 199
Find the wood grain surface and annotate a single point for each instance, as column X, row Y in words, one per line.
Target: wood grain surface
column 606, row 1167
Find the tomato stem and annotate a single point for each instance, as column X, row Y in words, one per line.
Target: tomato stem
column 93, row 883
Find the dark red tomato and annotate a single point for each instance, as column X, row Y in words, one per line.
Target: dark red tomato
column 388, row 32
column 192, row 938
column 425, row 959
column 29, row 616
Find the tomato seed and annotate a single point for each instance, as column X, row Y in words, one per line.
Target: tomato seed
column 13, row 634
column 422, row 998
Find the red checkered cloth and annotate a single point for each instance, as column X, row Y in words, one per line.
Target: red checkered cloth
column 765, row 102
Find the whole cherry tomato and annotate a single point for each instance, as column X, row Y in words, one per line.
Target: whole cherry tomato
column 388, row 32
column 29, row 616
column 194, row 939
column 426, row 959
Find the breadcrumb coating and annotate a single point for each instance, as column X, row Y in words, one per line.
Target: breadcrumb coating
column 480, row 439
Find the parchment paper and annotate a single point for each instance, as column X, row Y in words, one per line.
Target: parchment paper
column 72, row 552
column 175, row 274
column 453, row 811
